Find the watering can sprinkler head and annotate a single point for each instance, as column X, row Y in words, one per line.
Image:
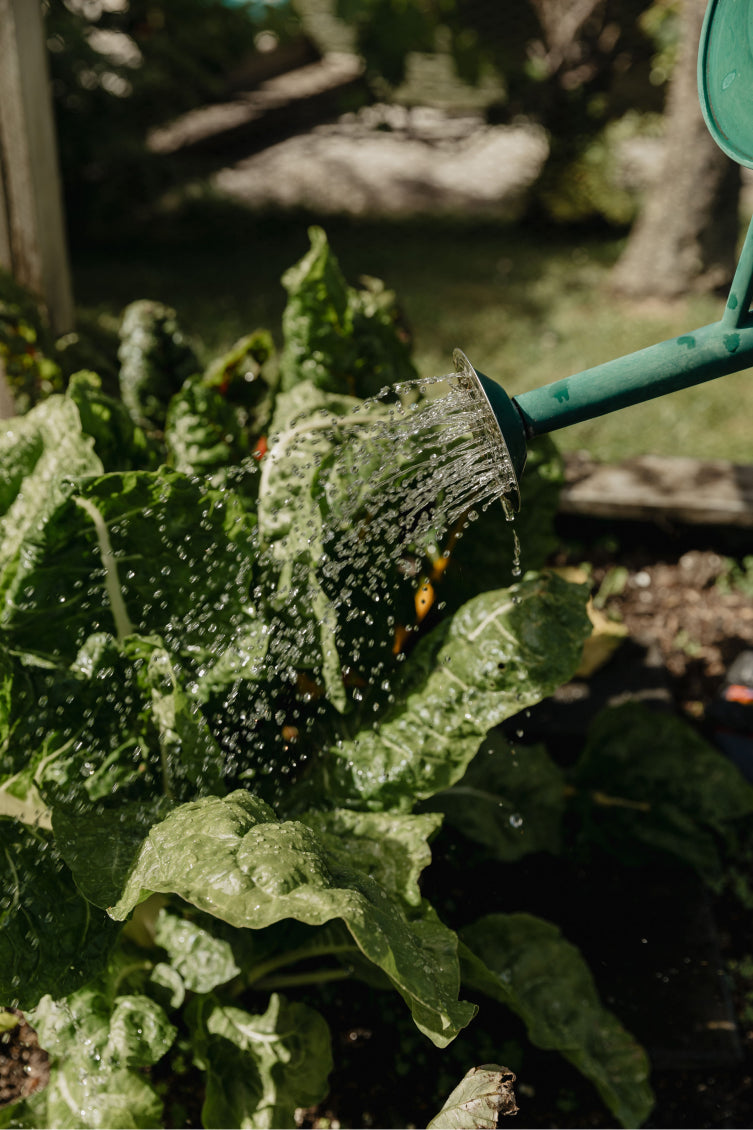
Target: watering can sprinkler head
column 725, row 88
column 502, row 425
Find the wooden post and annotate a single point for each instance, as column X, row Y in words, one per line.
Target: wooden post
column 32, row 232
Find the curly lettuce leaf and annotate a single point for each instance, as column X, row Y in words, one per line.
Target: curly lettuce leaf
column 233, row 859
column 525, row 963
column 502, row 651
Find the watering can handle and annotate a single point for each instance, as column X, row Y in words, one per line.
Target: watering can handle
column 737, row 312
column 700, row 355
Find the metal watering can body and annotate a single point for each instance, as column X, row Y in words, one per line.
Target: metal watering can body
column 725, row 87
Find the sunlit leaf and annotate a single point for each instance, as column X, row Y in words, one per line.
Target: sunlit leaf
column 232, row 858
column 502, row 651
column 478, row 1100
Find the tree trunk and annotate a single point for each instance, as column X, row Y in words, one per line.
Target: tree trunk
column 686, row 234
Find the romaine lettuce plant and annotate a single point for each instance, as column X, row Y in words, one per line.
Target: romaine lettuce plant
column 207, row 805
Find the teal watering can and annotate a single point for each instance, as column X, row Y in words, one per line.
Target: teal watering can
column 725, row 86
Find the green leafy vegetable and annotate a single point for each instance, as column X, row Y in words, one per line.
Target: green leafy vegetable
column 98, row 1046
column 511, row 801
column 500, row 652
column 155, row 360
column 51, row 939
column 478, row 1100
column 208, row 728
column 233, row 859
column 340, row 339
column 260, row 1068
column 679, row 794
column 526, row 964
column 203, row 961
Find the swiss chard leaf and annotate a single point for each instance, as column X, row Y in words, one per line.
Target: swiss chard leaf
column 317, row 323
column 302, row 489
column 510, row 800
column 132, row 552
column 203, row 432
column 118, row 442
column 526, row 964
column 231, row 858
column 679, row 794
column 260, row 1068
column 478, row 1100
column 40, row 454
column 247, row 377
column 155, row 359
column 502, row 651
column 98, row 1047
column 51, row 939
column 392, row 847
column 342, row 339
column 202, row 960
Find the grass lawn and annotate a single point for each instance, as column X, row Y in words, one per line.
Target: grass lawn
column 527, row 307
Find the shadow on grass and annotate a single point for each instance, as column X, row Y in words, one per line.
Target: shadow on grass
column 220, row 265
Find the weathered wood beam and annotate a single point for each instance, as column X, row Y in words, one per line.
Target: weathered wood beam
column 32, row 232
column 660, row 488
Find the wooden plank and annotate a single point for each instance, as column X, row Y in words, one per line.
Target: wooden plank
column 660, row 488
column 7, row 406
column 32, row 233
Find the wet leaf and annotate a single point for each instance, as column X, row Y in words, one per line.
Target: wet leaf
column 260, row 1068
column 203, row 961
column 478, row 1100
column 129, row 554
column 51, row 939
column 97, row 1048
column 118, row 442
column 392, row 847
column 525, row 963
column 232, row 858
column 203, row 432
column 300, row 495
column 502, row 651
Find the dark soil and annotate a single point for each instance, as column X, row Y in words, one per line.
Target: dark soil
column 24, row 1066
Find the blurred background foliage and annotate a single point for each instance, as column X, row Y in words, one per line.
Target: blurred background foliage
column 120, row 68
column 530, row 301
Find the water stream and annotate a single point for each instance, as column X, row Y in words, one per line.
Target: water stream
column 360, row 507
